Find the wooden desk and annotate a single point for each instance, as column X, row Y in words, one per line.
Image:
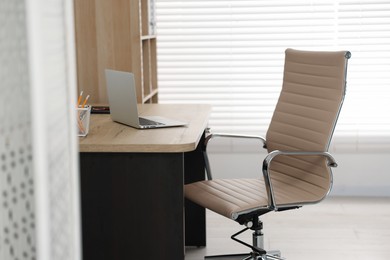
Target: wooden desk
column 132, row 186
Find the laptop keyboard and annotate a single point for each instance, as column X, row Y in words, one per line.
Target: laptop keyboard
column 144, row 121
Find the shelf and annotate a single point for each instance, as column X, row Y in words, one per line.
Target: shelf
column 151, row 98
column 148, row 48
column 126, row 43
column 148, row 37
column 147, row 17
column 149, row 69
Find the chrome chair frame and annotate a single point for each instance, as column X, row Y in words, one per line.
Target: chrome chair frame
column 251, row 218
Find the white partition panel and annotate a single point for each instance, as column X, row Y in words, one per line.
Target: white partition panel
column 39, row 194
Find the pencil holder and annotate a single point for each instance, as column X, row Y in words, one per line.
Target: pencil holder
column 83, row 118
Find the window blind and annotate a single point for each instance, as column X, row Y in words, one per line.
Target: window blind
column 230, row 54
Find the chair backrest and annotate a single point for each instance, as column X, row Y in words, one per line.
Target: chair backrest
column 305, row 116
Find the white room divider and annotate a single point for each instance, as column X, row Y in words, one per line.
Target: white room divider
column 39, row 196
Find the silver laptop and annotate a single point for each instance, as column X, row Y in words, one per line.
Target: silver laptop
column 122, row 99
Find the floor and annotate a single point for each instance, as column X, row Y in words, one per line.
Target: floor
column 337, row 228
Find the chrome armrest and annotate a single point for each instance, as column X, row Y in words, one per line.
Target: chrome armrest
column 211, row 136
column 214, row 135
column 267, row 162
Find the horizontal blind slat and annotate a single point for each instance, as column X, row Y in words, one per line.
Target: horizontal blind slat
column 230, row 54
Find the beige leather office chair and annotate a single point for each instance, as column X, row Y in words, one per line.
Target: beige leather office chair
column 297, row 169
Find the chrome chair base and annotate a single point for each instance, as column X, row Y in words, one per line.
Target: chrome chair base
column 258, row 253
column 270, row 255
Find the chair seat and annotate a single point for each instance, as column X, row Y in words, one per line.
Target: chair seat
column 233, row 197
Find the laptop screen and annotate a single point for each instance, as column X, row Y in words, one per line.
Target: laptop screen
column 122, row 97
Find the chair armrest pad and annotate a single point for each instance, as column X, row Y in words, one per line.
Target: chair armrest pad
column 228, row 135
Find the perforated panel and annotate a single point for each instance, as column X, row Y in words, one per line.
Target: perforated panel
column 52, row 232
column 17, row 217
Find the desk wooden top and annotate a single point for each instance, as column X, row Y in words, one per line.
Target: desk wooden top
column 108, row 136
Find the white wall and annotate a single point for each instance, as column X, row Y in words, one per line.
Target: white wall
column 362, row 174
column 357, row 174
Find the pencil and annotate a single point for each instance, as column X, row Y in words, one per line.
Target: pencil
column 85, row 101
column 79, row 100
column 80, row 125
